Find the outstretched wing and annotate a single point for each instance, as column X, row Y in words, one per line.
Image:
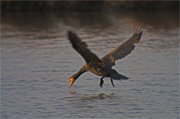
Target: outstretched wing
column 82, row 48
column 123, row 50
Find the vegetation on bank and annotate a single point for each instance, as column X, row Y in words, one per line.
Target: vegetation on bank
column 76, row 5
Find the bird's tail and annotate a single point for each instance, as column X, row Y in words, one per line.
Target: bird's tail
column 117, row 76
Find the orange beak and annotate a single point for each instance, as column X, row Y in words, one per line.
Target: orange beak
column 72, row 81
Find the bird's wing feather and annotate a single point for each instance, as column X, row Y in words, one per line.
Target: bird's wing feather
column 122, row 50
column 82, row 48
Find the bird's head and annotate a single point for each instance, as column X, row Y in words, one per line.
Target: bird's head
column 72, row 81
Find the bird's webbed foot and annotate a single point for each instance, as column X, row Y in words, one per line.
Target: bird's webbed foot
column 112, row 82
column 101, row 82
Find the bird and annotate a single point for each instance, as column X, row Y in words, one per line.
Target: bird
column 102, row 66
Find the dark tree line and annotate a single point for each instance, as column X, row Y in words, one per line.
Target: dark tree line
column 23, row 6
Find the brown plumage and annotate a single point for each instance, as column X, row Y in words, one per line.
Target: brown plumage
column 103, row 66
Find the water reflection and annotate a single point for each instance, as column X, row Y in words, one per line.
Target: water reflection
column 100, row 96
column 103, row 26
column 29, row 21
column 71, row 92
column 91, row 97
column 85, row 20
column 101, row 20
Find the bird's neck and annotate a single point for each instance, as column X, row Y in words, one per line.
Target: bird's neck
column 81, row 71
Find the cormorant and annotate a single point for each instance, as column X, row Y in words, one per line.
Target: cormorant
column 103, row 66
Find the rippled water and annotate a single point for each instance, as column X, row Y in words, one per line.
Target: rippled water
column 37, row 58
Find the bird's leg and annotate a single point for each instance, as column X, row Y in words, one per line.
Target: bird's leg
column 112, row 82
column 101, row 82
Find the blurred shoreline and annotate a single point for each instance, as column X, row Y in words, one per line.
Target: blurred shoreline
column 75, row 5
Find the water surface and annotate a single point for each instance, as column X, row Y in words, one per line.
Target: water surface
column 37, row 58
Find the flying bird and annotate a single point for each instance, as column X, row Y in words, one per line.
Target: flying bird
column 102, row 67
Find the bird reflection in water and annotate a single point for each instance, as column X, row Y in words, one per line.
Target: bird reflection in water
column 100, row 96
column 71, row 92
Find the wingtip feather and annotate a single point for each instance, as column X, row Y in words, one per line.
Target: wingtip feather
column 138, row 30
